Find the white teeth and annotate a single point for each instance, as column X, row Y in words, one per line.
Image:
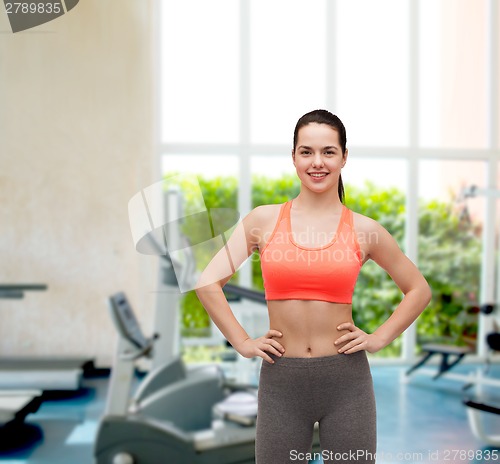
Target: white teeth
column 318, row 175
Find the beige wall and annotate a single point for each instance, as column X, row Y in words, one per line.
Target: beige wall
column 76, row 143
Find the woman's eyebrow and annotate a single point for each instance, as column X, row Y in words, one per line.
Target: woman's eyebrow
column 329, row 147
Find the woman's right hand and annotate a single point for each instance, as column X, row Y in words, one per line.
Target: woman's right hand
column 252, row 347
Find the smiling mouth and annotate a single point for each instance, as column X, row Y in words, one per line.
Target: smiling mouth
column 318, row 175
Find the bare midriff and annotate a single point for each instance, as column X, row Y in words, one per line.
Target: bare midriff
column 309, row 327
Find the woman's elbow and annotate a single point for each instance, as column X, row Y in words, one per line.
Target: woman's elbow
column 426, row 293
column 203, row 290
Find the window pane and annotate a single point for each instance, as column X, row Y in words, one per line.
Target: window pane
column 379, row 171
column 450, row 249
column 372, row 71
column 200, row 71
column 287, row 65
column 272, row 166
column 453, row 73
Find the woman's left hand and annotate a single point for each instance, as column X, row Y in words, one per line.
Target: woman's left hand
column 358, row 340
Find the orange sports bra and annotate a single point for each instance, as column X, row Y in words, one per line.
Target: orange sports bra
column 294, row 272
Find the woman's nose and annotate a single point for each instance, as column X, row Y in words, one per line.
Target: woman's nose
column 317, row 160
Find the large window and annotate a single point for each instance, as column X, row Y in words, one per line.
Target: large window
column 450, row 250
column 416, row 84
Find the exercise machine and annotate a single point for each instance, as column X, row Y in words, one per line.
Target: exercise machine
column 40, row 373
column 430, row 349
column 15, row 405
column 173, row 422
column 450, row 356
column 476, row 406
column 173, row 415
column 26, row 381
column 485, row 400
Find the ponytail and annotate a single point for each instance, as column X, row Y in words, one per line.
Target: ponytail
column 341, row 189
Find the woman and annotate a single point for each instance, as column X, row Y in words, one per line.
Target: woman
column 312, row 249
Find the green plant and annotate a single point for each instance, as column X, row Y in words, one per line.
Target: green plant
column 449, row 257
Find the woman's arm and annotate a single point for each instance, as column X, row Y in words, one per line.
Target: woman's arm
column 384, row 250
column 242, row 243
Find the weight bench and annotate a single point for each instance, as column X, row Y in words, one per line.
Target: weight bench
column 445, row 351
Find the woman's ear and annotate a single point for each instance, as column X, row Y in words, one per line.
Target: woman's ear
column 345, row 157
column 293, row 157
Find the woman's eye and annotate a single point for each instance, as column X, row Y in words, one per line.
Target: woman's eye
column 330, row 153
column 306, row 152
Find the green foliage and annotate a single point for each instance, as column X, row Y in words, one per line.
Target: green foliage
column 449, row 258
column 266, row 190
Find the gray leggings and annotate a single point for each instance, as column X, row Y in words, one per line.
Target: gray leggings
column 336, row 391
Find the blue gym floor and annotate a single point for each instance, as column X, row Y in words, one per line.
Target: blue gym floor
column 417, row 418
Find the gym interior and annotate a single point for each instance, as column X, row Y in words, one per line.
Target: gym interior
column 124, row 122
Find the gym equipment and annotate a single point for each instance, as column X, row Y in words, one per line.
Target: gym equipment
column 459, row 352
column 40, row 373
column 15, row 405
column 44, row 373
column 445, row 351
column 17, row 290
column 476, row 405
column 174, row 422
column 247, row 293
column 484, row 401
column 172, row 416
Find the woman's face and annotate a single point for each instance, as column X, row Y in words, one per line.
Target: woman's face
column 318, row 152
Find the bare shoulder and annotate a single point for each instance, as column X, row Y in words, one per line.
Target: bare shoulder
column 260, row 222
column 373, row 238
column 364, row 224
column 263, row 214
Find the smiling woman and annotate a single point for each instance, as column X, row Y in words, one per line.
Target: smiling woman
column 309, row 282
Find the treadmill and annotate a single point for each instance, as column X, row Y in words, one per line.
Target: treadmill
column 23, row 380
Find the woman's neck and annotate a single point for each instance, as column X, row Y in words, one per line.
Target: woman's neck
column 326, row 201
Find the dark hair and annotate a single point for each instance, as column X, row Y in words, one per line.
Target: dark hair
column 324, row 117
